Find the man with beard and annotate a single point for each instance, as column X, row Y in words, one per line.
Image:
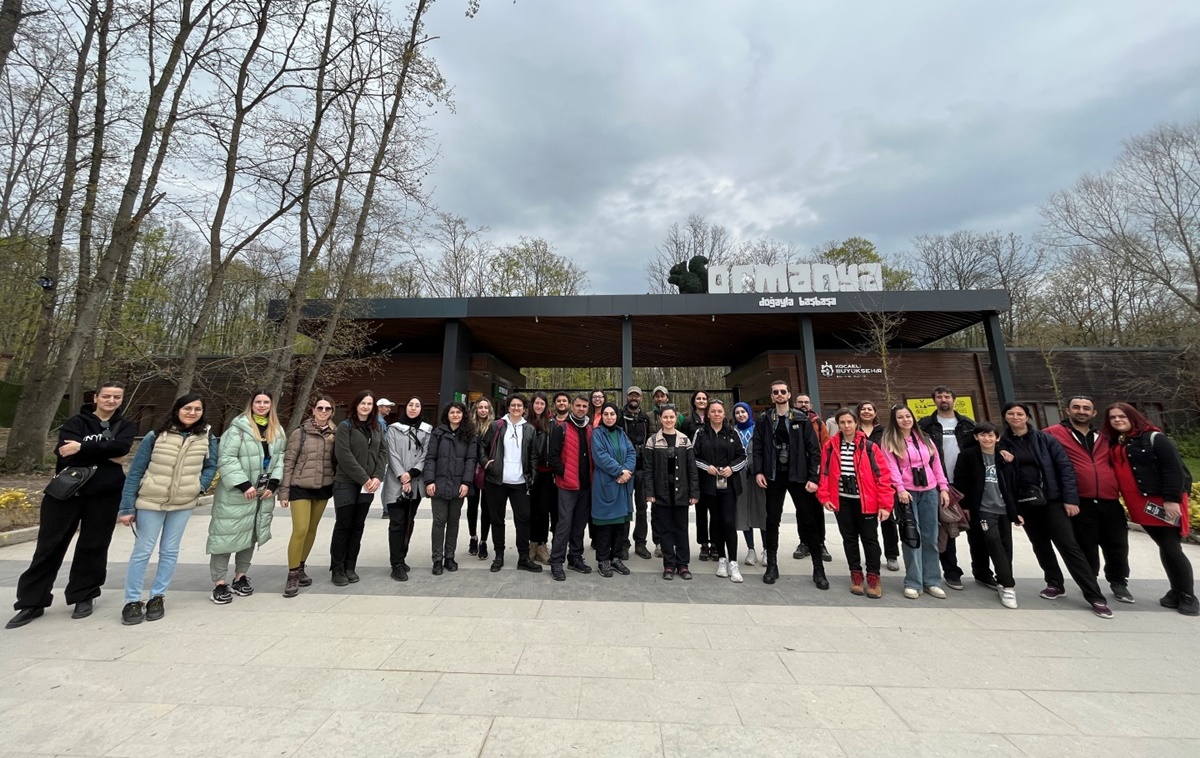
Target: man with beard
column 571, row 461
column 636, row 424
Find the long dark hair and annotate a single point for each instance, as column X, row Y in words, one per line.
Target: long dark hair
column 1138, row 422
column 371, row 422
column 465, row 431
column 171, row 422
column 542, row 422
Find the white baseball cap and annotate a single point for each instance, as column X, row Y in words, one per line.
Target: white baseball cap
column 385, row 401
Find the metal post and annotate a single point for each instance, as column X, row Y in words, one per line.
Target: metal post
column 808, row 344
column 626, row 354
column 456, row 362
column 998, row 354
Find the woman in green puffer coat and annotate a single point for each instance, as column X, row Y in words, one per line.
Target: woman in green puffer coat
column 250, row 463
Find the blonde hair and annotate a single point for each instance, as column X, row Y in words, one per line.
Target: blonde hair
column 481, row 427
column 273, row 425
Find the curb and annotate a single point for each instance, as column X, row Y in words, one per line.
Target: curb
column 17, row 536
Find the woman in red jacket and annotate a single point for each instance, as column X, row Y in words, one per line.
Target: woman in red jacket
column 857, row 486
column 1151, row 477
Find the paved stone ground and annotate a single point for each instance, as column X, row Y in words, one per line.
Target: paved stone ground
column 514, row 664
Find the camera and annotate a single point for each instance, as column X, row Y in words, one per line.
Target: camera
column 849, row 484
column 920, row 477
column 782, row 455
column 264, row 479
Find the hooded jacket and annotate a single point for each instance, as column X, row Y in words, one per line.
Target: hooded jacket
column 493, row 442
column 238, row 523
column 96, row 449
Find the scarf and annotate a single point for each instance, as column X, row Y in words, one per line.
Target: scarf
column 260, row 420
column 746, row 430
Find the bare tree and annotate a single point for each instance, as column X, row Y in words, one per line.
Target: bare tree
column 696, row 237
column 531, row 268
column 461, row 261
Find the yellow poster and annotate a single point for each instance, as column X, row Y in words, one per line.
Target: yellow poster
column 923, row 406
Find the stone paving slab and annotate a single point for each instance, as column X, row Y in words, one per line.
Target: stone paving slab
column 514, row 664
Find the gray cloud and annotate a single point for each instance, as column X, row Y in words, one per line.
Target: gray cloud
column 597, row 125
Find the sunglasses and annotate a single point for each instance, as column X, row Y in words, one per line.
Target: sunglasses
column 779, row 392
column 323, row 408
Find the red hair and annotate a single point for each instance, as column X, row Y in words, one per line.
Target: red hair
column 1137, row 421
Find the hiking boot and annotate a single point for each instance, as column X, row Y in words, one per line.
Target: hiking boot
column 874, row 588
column 339, row 578
column 292, row 587
column 241, row 586
column 155, row 609
column 683, row 572
column 605, row 569
column 399, row 574
column 305, row 579
column 132, row 614
column 557, row 573
column 543, row 554
column 1189, row 605
column 450, row 564
column 819, row 577
column 825, row 556
column 1121, row 593
column 619, row 566
column 641, row 551
column 703, row 552
column 578, row 564
column 437, row 568
column 524, row 564
column 623, row 553
column 668, row 573
column 800, row 552
column 856, row 582
column 497, row 562
column 221, row 595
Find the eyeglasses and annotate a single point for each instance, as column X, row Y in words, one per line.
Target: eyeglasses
column 325, row 408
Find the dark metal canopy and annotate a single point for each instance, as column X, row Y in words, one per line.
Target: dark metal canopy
column 667, row 330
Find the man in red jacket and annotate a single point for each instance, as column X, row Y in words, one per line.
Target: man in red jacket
column 1099, row 521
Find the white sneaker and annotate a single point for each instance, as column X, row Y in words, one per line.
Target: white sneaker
column 751, row 558
column 723, row 568
column 763, row 558
column 936, row 591
column 1008, row 597
column 911, row 594
column 735, row 573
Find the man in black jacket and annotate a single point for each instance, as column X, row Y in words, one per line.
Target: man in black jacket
column 636, row 424
column 93, row 438
column 788, row 457
column 953, row 433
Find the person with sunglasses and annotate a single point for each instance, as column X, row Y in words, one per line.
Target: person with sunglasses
column 306, row 488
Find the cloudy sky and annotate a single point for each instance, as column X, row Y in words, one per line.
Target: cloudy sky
column 598, row 124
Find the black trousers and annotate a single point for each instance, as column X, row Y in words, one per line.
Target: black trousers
column 498, row 498
column 980, row 555
column 1170, row 551
column 95, row 518
column 607, row 536
column 671, row 526
column 543, row 508
column 350, row 507
column 857, row 526
column 996, row 531
column 574, row 512
column 402, row 516
column 641, row 520
column 703, row 518
column 1048, row 527
column 810, row 517
column 891, row 538
column 474, row 497
column 722, row 508
column 1100, row 527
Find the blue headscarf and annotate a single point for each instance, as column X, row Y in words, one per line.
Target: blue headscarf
column 746, row 430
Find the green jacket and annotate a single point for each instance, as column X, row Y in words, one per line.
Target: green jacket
column 238, row 523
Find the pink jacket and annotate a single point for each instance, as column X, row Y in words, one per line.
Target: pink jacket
column 919, row 456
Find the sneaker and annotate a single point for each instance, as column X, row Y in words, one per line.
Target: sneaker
column 155, row 609
column 657, row 550
column 668, row 573
column 1008, row 597
column 723, row 568
column 242, row 586
column 305, row 579
column 1052, row 593
column 991, row 584
column 339, row 578
column 221, row 595
column 399, row 574
column 498, row 563
column 1189, row 605
column 954, row 584
column 482, row 554
column 605, row 569
column 557, row 573
column 351, row 576
column 893, row 564
column 1169, row 600
column 452, row 565
column 1102, row 610
column 641, row 551
column 623, row 553
column 619, row 566
column 580, row 565
column 684, row 573
column 825, row 556
column 856, row 582
column 874, row 587
column 132, row 614
column 762, row 558
column 1121, row 593
column 911, row 593
column 473, row 547
column 704, row 552
column 800, row 552
column 735, row 573
column 751, row 558
column 83, row 609
column 936, row 591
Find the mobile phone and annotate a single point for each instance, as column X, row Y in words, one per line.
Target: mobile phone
column 1159, row 512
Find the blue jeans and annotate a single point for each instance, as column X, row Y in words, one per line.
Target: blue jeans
column 921, row 566
column 150, row 524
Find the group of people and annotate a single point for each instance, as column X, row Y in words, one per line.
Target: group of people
column 569, row 465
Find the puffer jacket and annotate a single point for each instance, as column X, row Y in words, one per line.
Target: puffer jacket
column 308, row 462
column 686, row 485
column 407, row 446
column 238, row 523
column 449, row 463
column 170, row 472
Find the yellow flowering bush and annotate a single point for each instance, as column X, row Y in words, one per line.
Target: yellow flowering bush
column 16, row 498
column 17, row 508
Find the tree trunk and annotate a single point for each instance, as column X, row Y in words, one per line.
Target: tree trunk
column 10, row 19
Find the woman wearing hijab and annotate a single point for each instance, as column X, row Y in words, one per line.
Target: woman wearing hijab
column 612, row 488
column 752, row 503
column 1153, row 483
column 402, row 489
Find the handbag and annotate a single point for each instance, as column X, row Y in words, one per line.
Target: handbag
column 1030, row 495
column 906, row 522
column 67, row 483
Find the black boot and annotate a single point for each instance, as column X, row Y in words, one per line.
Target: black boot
column 772, row 572
column 498, row 561
column 819, row 578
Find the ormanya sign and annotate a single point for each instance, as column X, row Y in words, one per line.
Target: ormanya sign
column 796, row 277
